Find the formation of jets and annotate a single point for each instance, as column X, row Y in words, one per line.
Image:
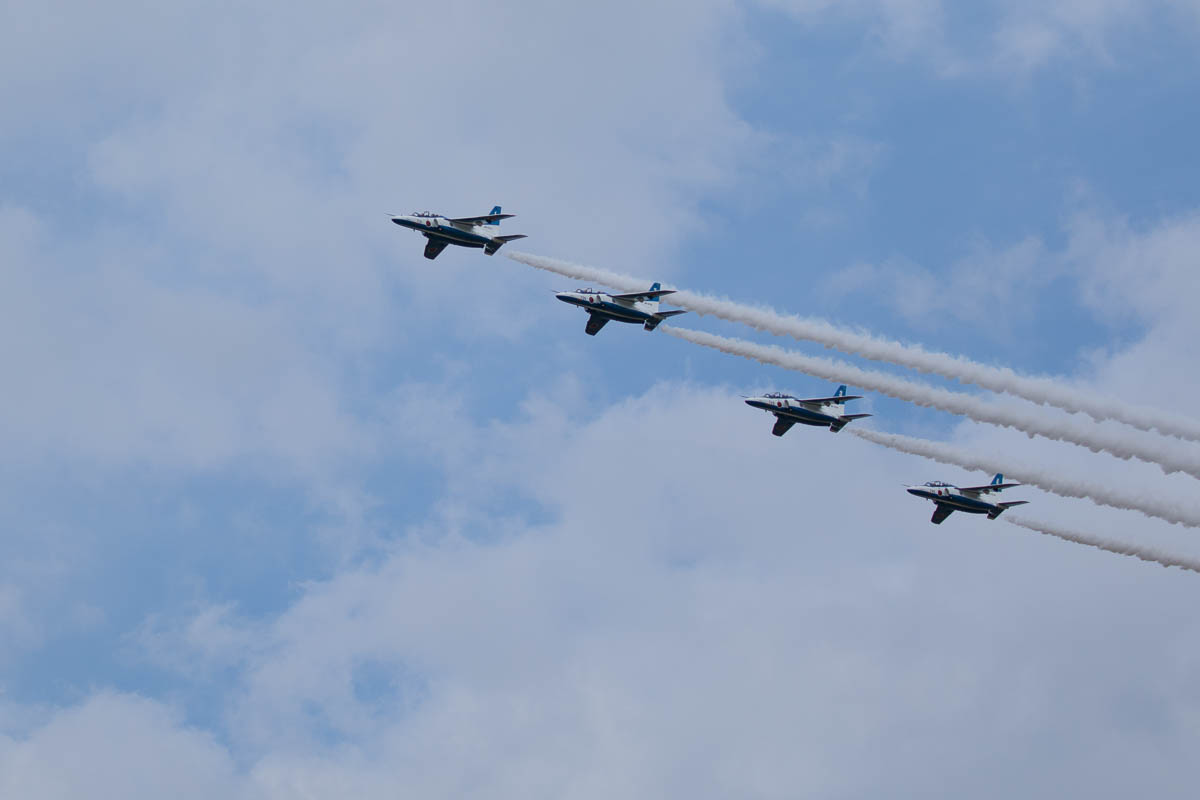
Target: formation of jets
column 641, row 308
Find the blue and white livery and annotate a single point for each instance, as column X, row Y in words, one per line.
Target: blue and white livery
column 463, row 231
column 949, row 499
column 602, row 308
column 823, row 412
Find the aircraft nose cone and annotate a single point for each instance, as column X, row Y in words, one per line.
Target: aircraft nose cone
column 912, row 491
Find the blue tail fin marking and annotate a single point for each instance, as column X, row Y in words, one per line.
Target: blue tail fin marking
column 841, row 391
column 998, row 479
column 656, row 286
column 495, row 210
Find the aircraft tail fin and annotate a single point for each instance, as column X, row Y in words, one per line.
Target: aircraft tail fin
column 653, row 301
column 844, row 419
column 495, row 210
column 1002, row 507
column 999, row 478
column 841, row 391
column 651, row 324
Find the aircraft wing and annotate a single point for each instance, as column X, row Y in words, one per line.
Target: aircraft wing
column 433, row 247
column 940, row 513
column 782, row 426
column 638, row 296
column 594, row 324
column 480, row 220
column 994, row 487
column 823, row 400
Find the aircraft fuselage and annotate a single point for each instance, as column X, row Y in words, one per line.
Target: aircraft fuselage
column 441, row 228
column 482, row 232
column 603, row 305
column 797, row 412
column 950, row 496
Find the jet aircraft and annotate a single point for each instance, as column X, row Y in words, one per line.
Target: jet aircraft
column 823, row 412
column 949, row 499
column 638, row 307
column 479, row 231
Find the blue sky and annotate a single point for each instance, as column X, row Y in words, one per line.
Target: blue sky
column 288, row 509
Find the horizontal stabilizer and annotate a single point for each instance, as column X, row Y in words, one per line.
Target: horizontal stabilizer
column 1002, row 507
column 844, row 419
column 499, row 241
column 651, row 324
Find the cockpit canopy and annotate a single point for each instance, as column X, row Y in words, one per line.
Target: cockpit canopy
column 424, row 214
column 779, row 396
column 937, row 483
column 588, row 290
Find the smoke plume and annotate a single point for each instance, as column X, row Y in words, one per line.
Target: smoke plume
column 1121, row 443
column 1111, row 545
column 1049, row 480
column 1039, row 390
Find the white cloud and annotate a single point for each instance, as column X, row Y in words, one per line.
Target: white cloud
column 116, row 746
column 242, row 262
column 346, row 111
column 990, row 288
column 727, row 617
column 200, row 279
column 1147, row 271
column 897, row 27
column 16, row 627
column 1011, row 41
column 1145, row 275
column 110, row 365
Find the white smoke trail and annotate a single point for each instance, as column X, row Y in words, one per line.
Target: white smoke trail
column 1122, row 444
column 1050, row 480
column 1043, row 391
column 1111, row 545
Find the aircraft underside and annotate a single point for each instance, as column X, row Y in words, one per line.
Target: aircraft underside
column 808, row 419
column 784, row 422
column 437, row 244
column 943, row 510
column 598, row 319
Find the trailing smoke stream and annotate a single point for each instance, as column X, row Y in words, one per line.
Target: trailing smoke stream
column 1049, row 480
column 1043, row 391
column 1120, row 443
column 1110, row 545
